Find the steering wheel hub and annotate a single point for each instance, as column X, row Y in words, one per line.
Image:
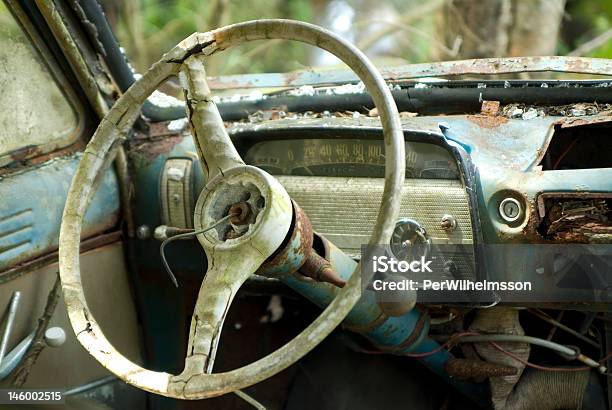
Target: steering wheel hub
column 253, row 198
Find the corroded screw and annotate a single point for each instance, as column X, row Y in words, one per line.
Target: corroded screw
column 240, row 211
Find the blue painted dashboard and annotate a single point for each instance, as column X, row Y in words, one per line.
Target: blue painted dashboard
column 31, row 206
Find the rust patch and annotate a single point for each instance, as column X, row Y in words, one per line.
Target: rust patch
column 576, row 217
column 34, row 156
column 287, row 254
column 160, row 129
column 490, row 108
column 25, row 153
column 576, row 122
column 241, row 212
column 487, row 121
column 320, row 269
column 477, row 370
column 154, row 147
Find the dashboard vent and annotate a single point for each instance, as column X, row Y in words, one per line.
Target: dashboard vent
column 15, row 233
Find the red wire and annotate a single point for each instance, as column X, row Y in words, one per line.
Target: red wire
column 450, row 343
column 537, row 366
column 558, row 161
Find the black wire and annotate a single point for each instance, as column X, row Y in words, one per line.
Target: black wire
column 185, row 236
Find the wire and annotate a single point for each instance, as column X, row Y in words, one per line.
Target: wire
column 477, row 337
column 559, row 348
column 567, row 149
column 542, row 315
column 249, row 399
column 448, row 345
column 537, row 366
column 185, row 236
column 563, row 350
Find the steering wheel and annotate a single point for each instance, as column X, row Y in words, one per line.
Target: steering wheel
column 230, row 260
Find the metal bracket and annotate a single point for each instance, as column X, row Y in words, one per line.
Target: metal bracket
column 176, row 193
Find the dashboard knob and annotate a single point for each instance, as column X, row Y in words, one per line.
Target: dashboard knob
column 409, row 240
column 55, row 336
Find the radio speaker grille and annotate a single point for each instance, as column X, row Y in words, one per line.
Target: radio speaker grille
column 344, row 210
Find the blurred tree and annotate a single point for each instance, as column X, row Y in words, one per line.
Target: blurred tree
column 499, row 28
column 148, row 28
column 588, row 29
column 391, row 32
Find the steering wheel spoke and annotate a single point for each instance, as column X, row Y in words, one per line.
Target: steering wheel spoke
column 226, row 273
column 215, row 149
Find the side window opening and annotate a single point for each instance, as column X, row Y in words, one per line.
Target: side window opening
column 36, row 116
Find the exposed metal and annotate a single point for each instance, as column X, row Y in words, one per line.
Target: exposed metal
column 163, row 232
column 297, row 249
column 143, row 232
column 89, row 386
column 485, row 66
column 9, row 323
column 565, row 351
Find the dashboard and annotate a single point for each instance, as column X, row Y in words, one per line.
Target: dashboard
column 334, row 167
column 338, row 181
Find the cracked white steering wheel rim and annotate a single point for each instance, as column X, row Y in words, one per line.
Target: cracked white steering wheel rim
column 218, row 158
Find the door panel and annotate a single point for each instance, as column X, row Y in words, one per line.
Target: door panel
column 107, row 289
column 31, row 209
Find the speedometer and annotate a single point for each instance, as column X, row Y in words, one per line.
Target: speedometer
column 347, row 158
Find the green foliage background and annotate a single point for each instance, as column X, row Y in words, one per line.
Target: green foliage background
column 148, row 28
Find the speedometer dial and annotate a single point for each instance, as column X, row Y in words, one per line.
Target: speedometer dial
column 347, row 158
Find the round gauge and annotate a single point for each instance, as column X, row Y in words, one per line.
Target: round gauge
column 409, row 240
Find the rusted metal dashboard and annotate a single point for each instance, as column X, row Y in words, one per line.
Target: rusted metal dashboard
column 332, row 168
